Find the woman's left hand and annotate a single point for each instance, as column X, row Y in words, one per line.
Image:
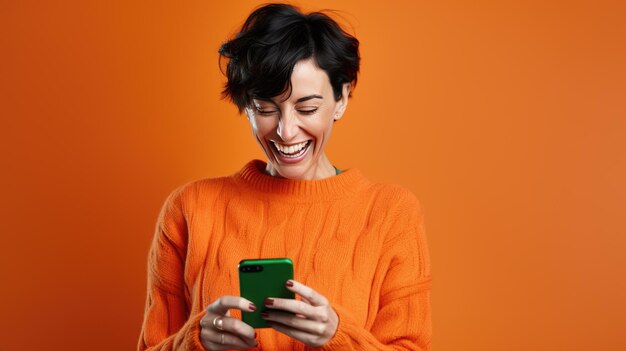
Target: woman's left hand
column 314, row 322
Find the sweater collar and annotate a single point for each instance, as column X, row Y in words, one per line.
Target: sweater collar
column 348, row 182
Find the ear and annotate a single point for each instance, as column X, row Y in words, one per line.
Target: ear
column 343, row 102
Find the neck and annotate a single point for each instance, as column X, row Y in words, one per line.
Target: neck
column 322, row 169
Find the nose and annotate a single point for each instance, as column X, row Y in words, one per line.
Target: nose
column 288, row 126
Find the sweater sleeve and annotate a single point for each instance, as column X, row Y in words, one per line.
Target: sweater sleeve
column 403, row 320
column 167, row 323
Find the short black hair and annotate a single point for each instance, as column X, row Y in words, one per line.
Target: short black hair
column 272, row 40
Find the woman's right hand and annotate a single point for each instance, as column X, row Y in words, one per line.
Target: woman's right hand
column 221, row 332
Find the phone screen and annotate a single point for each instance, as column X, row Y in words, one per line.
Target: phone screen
column 260, row 279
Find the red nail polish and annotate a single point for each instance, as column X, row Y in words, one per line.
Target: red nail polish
column 289, row 283
column 252, row 307
column 269, row 302
column 265, row 314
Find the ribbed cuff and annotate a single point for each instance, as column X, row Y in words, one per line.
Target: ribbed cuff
column 192, row 341
column 342, row 339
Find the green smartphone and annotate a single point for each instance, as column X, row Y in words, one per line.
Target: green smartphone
column 260, row 279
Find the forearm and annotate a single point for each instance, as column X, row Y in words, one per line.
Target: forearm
column 158, row 330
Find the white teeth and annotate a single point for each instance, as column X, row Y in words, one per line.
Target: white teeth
column 290, row 149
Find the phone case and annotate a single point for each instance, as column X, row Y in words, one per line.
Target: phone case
column 260, row 279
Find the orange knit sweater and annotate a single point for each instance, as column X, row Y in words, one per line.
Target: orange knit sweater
column 360, row 244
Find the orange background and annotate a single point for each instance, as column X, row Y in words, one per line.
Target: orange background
column 507, row 120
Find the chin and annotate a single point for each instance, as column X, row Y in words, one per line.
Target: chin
column 291, row 169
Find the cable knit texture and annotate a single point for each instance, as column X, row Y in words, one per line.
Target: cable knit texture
column 360, row 244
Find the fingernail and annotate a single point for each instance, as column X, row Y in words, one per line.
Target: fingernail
column 252, row 307
column 289, row 283
column 265, row 314
column 269, row 302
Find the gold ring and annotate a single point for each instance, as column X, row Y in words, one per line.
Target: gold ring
column 222, row 338
column 218, row 322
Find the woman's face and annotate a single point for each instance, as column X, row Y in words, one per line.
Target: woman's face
column 294, row 132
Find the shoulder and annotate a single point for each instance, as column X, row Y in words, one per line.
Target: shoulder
column 395, row 197
column 189, row 195
column 398, row 208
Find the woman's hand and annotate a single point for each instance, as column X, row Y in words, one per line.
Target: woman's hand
column 220, row 331
column 314, row 323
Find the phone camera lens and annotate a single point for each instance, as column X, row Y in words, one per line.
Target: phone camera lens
column 251, row 269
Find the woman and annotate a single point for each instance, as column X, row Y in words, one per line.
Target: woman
column 362, row 269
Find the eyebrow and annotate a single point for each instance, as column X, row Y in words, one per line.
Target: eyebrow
column 309, row 98
column 305, row 98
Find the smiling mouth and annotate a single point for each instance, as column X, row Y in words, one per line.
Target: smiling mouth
column 293, row 151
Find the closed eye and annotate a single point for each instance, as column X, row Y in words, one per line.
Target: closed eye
column 308, row 112
column 265, row 112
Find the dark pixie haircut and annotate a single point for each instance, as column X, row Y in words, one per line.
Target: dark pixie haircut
column 262, row 55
